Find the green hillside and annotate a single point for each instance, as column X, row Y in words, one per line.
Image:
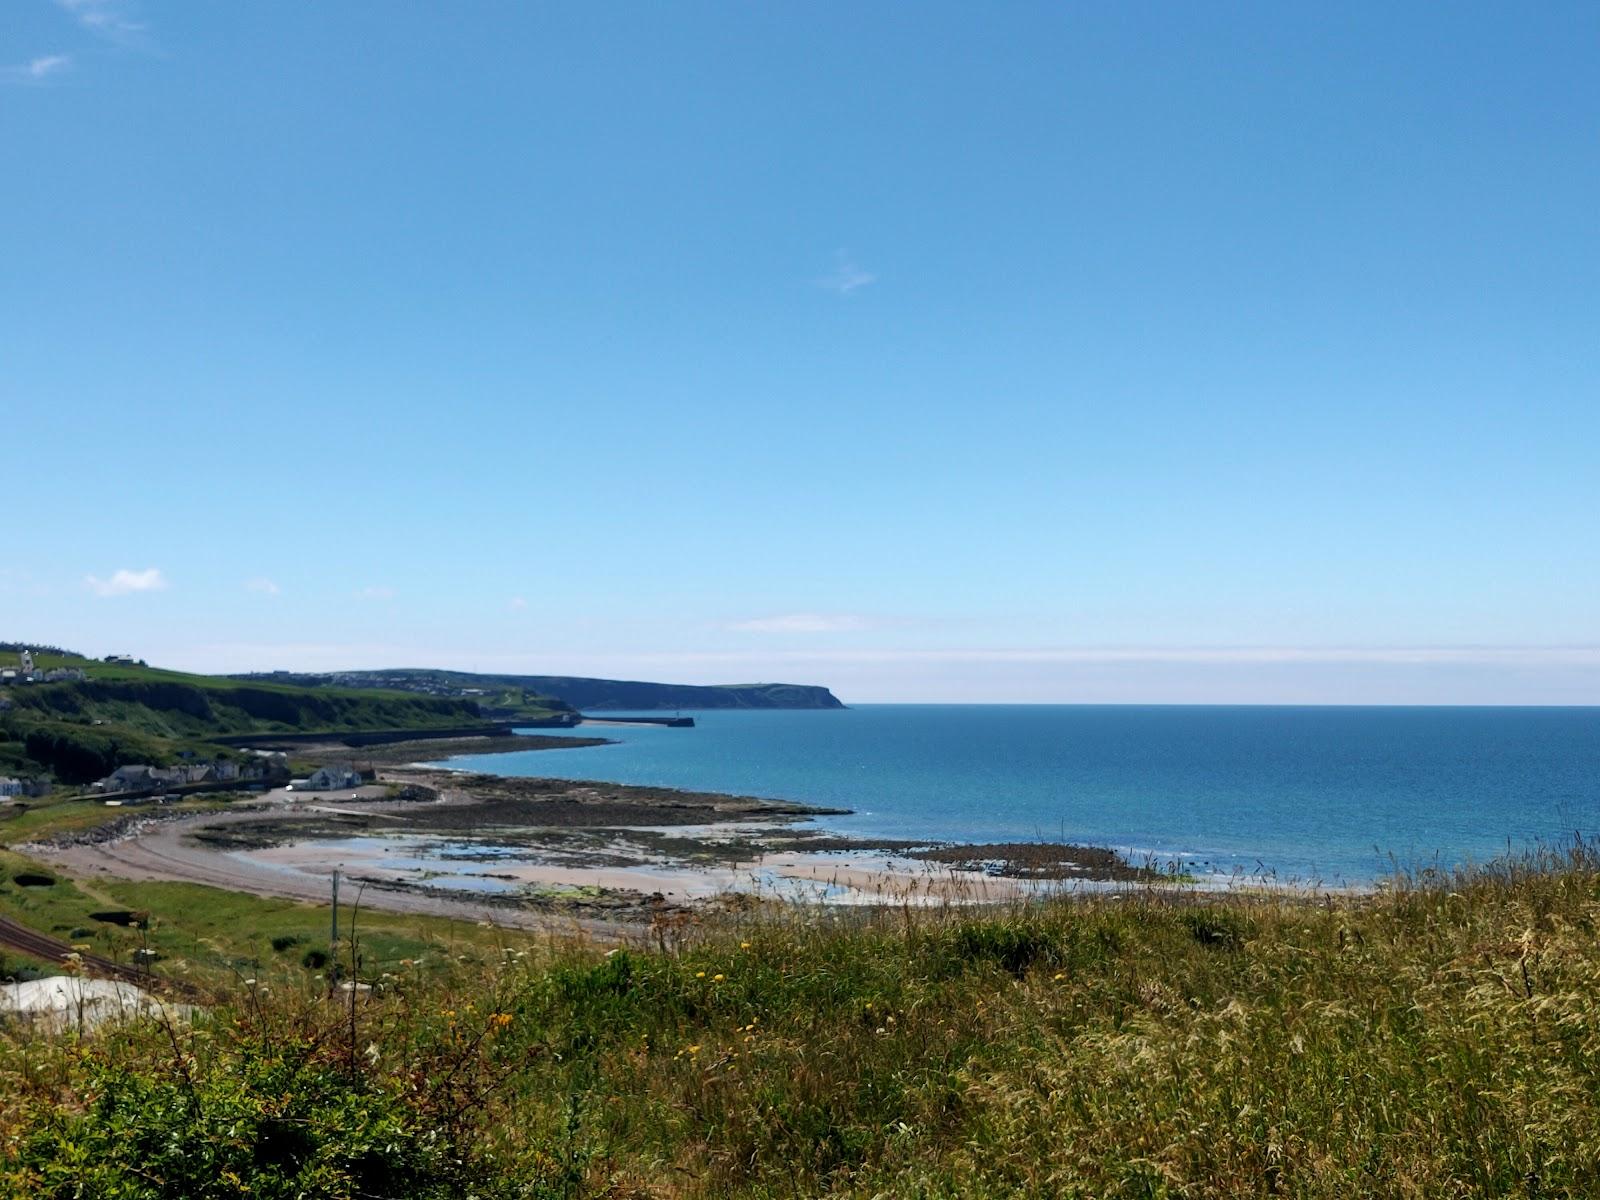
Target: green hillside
column 577, row 691
column 79, row 730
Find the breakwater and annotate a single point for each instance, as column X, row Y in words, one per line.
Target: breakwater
column 669, row 722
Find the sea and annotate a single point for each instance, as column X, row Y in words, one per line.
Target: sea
column 1314, row 796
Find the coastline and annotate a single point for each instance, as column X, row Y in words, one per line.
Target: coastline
column 531, row 852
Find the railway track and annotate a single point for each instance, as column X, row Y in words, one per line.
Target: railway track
column 18, row 937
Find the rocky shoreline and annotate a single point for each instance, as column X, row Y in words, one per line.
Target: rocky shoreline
column 432, row 839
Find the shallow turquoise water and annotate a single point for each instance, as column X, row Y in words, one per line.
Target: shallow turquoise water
column 1325, row 794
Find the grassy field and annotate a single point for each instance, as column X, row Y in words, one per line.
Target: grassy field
column 1438, row 1039
column 199, row 931
column 206, row 934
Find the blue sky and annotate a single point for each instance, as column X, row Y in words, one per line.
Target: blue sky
column 1236, row 352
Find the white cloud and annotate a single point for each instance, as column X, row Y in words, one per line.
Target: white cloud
column 37, row 70
column 518, row 602
column 263, row 585
column 846, row 276
column 377, row 593
column 108, row 18
column 802, row 623
column 124, row 582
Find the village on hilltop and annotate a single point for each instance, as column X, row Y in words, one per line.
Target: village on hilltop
column 27, row 672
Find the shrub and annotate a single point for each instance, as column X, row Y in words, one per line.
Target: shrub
column 1217, row 927
column 285, row 941
column 14, row 970
column 268, row 1119
column 1012, row 943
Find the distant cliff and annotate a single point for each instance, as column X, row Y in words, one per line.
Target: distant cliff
column 613, row 694
column 502, row 695
column 511, row 695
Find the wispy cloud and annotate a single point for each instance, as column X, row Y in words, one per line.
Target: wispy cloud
column 518, row 602
column 108, row 18
column 1439, row 674
column 1577, row 656
column 802, row 623
column 847, row 276
column 263, row 585
column 377, row 593
column 37, row 70
column 126, row 582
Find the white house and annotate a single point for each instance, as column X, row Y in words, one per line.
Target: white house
column 12, row 787
column 332, row 778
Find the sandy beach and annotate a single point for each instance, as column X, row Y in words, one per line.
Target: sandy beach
column 530, row 852
column 165, row 850
column 615, row 876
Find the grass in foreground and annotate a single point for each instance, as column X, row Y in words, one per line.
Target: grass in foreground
column 1434, row 1040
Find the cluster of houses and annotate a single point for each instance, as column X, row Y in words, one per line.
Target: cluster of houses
column 26, row 672
column 143, row 779
column 12, row 788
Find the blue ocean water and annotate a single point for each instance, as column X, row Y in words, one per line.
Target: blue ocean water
column 1331, row 795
